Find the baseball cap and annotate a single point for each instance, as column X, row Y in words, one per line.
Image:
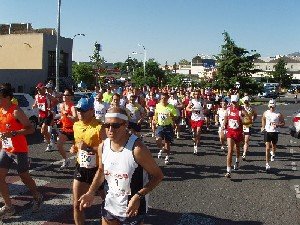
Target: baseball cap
column 49, row 85
column 234, row 98
column 272, row 102
column 85, row 104
column 40, row 85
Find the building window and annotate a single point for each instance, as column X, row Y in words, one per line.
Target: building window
column 63, row 64
column 51, row 64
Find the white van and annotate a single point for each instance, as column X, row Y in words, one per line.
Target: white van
column 271, row 84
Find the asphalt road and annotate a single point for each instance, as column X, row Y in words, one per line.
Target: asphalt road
column 194, row 190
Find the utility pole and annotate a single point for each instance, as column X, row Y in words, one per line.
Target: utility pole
column 58, row 46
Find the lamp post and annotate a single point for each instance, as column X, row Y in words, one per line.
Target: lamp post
column 57, row 46
column 145, row 56
column 73, row 41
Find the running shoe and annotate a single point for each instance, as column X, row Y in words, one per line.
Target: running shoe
column 6, row 212
column 159, row 155
column 49, row 148
column 37, row 203
column 236, row 166
column 65, row 164
column 195, row 150
column 167, row 160
column 243, row 157
column 178, row 136
column 223, row 148
column 272, row 158
column 228, row 175
column 268, row 168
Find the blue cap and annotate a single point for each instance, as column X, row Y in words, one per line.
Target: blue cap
column 85, row 104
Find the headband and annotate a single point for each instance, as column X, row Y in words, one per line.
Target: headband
column 116, row 115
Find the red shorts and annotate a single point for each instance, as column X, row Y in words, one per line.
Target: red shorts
column 237, row 136
column 195, row 124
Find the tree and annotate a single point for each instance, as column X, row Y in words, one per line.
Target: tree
column 83, row 72
column 280, row 74
column 97, row 60
column 234, row 64
column 184, row 62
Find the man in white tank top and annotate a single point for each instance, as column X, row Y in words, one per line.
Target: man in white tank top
column 124, row 163
column 271, row 121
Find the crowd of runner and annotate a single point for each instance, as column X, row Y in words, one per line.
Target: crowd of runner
column 105, row 132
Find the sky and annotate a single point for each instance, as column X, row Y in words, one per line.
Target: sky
column 170, row 30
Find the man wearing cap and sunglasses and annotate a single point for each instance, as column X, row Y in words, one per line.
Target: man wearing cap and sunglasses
column 125, row 163
column 271, row 121
column 88, row 134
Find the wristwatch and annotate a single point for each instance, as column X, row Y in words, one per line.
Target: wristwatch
column 141, row 196
column 13, row 133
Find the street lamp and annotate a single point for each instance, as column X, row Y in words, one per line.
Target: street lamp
column 145, row 56
column 73, row 41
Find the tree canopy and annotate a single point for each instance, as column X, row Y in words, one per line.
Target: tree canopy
column 280, row 74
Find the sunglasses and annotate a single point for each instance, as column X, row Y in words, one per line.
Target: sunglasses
column 67, row 95
column 81, row 110
column 113, row 125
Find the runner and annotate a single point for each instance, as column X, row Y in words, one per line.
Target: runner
column 88, row 134
column 150, row 107
column 126, row 163
column 67, row 119
column 44, row 102
column 219, row 118
column 271, row 121
column 197, row 119
column 234, row 121
column 14, row 125
column 164, row 117
column 100, row 107
column 247, row 126
column 136, row 115
column 175, row 101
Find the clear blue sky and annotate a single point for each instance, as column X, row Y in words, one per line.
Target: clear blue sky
column 169, row 29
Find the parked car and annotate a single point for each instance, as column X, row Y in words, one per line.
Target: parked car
column 25, row 101
column 79, row 95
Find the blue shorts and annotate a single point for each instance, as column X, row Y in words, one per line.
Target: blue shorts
column 134, row 220
column 20, row 159
column 165, row 132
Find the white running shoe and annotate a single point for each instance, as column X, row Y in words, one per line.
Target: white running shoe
column 49, row 148
column 167, row 160
column 159, row 154
column 6, row 212
column 65, row 164
column 178, row 136
column 195, row 149
column 236, row 166
column 222, row 148
column 272, row 158
column 268, row 167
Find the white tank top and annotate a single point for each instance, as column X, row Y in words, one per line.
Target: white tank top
column 123, row 177
column 175, row 103
column 221, row 114
column 100, row 110
column 197, row 110
column 272, row 118
column 135, row 112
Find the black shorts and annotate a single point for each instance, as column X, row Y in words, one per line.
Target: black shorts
column 84, row 175
column 47, row 120
column 69, row 135
column 271, row 137
column 21, row 161
column 150, row 114
column 165, row 132
column 134, row 126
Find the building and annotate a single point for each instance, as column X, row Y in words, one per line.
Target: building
column 28, row 56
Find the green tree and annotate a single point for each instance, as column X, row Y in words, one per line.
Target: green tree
column 184, row 62
column 83, row 72
column 97, row 60
column 234, row 64
column 280, row 74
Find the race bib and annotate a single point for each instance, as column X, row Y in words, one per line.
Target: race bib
column 152, row 109
column 233, row 124
column 7, row 143
column 118, row 183
column 246, row 129
column 198, row 112
column 209, row 106
column 87, row 159
column 42, row 106
column 162, row 116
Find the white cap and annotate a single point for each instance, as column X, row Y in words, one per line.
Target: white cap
column 234, row 98
column 49, row 85
column 272, row 102
column 246, row 98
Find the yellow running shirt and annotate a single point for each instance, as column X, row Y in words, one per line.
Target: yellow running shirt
column 165, row 113
column 89, row 134
column 107, row 97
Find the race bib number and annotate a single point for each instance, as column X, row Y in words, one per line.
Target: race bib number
column 273, row 125
column 233, row 124
column 7, row 143
column 198, row 112
column 246, row 129
column 209, row 106
column 42, row 106
column 162, row 116
column 151, row 108
column 118, row 183
column 87, row 159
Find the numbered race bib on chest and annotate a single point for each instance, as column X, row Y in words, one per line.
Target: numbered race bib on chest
column 162, row 116
column 233, row 124
column 7, row 143
column 42, row 106
column 246, row 129
column 87, row 159
column 118, row 183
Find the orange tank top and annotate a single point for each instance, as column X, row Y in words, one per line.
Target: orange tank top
column 67, row 123
column 9, row 123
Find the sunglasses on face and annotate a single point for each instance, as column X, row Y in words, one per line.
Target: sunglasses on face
column 67, row 95
column 81, row 110
column 113, row 125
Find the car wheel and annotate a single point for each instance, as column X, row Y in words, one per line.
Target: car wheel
column 34, row 122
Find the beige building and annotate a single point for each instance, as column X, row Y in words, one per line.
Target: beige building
column 28, row 56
